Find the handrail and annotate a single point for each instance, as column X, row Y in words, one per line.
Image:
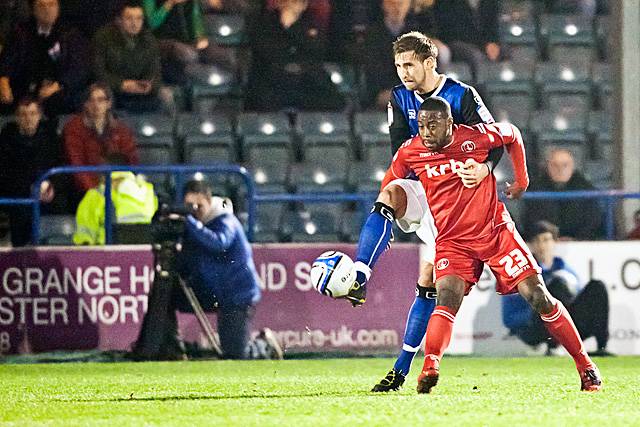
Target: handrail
column 253, row 199
column 177, row 170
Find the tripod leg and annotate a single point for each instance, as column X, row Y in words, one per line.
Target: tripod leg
column 202, row 318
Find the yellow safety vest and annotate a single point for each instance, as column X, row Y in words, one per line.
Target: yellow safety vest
column 134, row 202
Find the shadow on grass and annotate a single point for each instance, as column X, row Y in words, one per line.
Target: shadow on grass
column 255, row 395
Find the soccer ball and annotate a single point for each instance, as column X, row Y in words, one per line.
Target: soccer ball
column 333, row 273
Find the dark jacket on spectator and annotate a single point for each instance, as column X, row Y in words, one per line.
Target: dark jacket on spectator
column 119, row 57
column 579, row 219
column 24, row 158
column 458, row 21
column 30, row 58
column 287, row 66
column 83, row 146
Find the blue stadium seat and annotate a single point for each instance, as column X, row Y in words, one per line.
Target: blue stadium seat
column 351, row 224
column 226, row 30
column 324, row 128
column 603, row 37
column 313, row 222
column 601, row 76
column 343, row 76
column 207, row 139
column 325, row 170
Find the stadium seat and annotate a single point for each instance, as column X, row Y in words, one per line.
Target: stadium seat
column 324, row 170
column 226, row 30
column 259, row 128
column 566, row 126
column 600, row 173
column 506, row 77
column 371, row 128
column 343, row 76
column 212, row 83
column 268, row 222
column 57, row 230
column 267, row 148
column 600, row 129
column 519, row 38
column 573, row 30
column 150, row 127
column 515, row 108
column 321, row 128
column 326, row 152
column 366, row 177
column 565, row 85
column 207, row 140
column 313, row 222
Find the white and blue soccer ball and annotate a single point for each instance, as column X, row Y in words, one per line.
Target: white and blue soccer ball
column 333, row 273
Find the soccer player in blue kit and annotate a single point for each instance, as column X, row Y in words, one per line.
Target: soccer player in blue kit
column 415, row 58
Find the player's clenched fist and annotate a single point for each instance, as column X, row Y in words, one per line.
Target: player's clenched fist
column 515, row 190
column 472, row 173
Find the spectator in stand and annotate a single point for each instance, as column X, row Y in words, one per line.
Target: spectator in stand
column 470, row 29
column 127, row 58
column 46, row 59
column 579, row 219
column 380, row 73
column 11, row 12
column 179, row 27
column 588, row 304
column 288, row 54
column 94, row 135
column 29, row 146
column 634, row 234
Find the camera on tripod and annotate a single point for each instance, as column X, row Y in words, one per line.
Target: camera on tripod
column 167, row 229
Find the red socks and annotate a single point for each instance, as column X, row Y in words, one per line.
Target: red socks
column 561, row 327
column 439, row 331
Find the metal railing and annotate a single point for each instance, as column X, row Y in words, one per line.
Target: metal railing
column 177, row 171
column 362, row 199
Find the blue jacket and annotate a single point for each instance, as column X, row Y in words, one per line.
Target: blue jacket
column 516, row 312
column 217, row 262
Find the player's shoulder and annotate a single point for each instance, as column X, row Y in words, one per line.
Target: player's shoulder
column 453, row 83
column 401, row 90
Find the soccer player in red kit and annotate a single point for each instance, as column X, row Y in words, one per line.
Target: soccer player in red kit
column 474, row 227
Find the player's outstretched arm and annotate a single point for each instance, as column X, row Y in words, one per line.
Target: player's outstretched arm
column 512, row 140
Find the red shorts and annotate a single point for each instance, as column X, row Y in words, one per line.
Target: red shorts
column 504, row 252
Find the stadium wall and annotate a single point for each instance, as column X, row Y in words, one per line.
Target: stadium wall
column 95, row 298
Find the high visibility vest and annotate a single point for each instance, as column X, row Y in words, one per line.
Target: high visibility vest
column 134, row 202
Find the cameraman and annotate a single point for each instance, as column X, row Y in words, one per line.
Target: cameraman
column 216, row 261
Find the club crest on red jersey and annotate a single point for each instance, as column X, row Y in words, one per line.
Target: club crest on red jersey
column 442, row 264
column 468, row 146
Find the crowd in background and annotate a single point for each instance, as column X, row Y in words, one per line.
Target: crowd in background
column 91, row 58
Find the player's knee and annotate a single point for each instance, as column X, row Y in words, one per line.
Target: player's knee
column 394, row 197
column 450, row 292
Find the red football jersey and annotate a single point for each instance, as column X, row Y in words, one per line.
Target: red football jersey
column 461, row 214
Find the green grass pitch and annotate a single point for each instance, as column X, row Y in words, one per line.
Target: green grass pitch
column 472, row 391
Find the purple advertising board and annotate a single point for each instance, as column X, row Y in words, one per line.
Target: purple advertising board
column 95, row 298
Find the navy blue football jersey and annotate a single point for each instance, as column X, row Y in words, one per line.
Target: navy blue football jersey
column 466, row 108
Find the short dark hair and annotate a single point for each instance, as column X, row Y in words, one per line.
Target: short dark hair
column 25, row 101
column 417, row 42
column 198, row 186
column 98, row 86
column 436, row 103
column 129, row 4
column 542, row 227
